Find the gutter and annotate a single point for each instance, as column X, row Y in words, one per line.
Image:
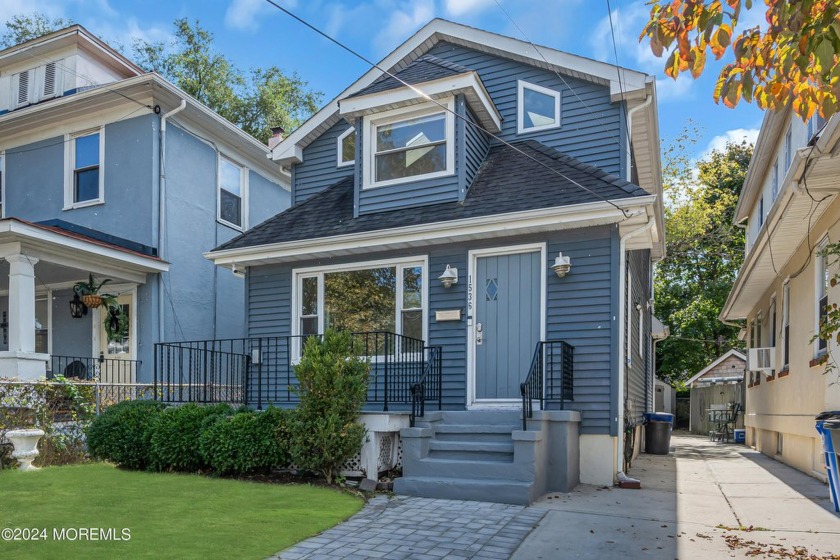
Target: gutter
column 162, row 209
column 622, row 363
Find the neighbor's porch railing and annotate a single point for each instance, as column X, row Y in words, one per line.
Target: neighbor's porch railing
column 107, row 370
column 550, row 378
column 260, row 371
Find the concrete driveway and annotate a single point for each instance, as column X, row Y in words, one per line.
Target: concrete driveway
column 705, row 500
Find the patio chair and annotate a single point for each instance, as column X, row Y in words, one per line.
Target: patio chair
column 76, row 369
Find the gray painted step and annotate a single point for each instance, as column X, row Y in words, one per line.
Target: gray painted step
column 453, row 468
column 500, row 491
column 508, row 417
column 493, row 447
column 474, row 432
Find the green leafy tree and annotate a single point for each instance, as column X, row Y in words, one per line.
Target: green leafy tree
column 704, row 252
column 794, row 60
column 255, row 101
column 21, row 28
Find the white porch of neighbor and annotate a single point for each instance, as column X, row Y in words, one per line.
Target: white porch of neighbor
column 41, row 260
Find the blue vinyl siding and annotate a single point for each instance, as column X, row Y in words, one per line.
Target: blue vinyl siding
column 639, row 386
column 593, row 137
column 319, row 169
column 579, row 310
column 475, row 147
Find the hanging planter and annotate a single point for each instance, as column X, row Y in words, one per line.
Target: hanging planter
column 89, row 294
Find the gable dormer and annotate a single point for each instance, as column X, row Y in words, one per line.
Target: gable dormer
column 58, row 64
column 411, row 141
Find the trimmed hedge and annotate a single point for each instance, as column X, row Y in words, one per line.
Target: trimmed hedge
column 175, row 438
column 247, row 442
column 122, row 433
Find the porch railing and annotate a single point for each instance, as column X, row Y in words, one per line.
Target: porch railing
column 430, row 385
column 550, row 378
column 260, row 371
column 106, row 370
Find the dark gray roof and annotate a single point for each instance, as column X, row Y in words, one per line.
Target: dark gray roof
column 506, row 182
column 424, row 69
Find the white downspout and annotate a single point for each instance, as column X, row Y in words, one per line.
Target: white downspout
column 162, row 211
column 622, row 320
column 648, row 100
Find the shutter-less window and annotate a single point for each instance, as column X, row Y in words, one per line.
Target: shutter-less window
column 49, row 80
column 23, row 88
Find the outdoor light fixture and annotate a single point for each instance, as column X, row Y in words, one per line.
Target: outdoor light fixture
column 562, row 265
column 449, row 277
column 77, row 308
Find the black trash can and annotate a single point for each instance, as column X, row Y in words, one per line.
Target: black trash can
column 657, row 437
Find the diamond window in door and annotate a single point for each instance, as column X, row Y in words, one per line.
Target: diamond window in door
column 492, row 290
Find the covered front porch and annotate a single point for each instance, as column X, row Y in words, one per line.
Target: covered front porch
column 41, row 336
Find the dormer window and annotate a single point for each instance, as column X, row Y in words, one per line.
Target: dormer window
column 347, row 147
column 410, row 145
column 538, row 108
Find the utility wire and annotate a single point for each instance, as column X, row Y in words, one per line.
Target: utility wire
column 419, row 92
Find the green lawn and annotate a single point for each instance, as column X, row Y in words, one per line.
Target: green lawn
column 168, row 515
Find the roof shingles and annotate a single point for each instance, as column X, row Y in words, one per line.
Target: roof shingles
column 506, row 182
column 424, row 69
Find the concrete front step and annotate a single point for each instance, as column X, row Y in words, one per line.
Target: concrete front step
column 484, row 417
column 474, row 432
column 432, row 467
column 500, row 491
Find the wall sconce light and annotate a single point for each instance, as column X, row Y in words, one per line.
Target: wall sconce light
column 77, row 308
column 449, row 277
column 638, row 306
column 562, row 265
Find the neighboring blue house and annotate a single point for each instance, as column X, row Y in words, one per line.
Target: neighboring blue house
column 110, row 171
column 528, row 262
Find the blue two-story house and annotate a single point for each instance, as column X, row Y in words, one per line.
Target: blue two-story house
column 500, row 203
column 111, row 171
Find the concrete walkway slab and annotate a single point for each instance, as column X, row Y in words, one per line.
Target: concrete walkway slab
column 694, row 503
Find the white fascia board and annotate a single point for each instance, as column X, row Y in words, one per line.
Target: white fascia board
column 548, row 218
column 33, row 233
column 468, row 83
column 440, row 30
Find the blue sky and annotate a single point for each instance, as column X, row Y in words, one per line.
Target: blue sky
column 253, row 33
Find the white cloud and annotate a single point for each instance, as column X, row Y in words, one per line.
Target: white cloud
column 736, row 135
column 404, row 20
column 245, row 15
column 456, row 8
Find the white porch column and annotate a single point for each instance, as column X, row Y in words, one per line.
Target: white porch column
column 21, row 361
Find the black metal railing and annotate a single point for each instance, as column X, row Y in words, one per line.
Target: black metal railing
column 550, row 377
column 260, row 371
column 430, row 385
column 106, row 370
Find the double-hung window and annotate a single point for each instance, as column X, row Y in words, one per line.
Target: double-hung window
column 85, row 181
column 382, row 297
column 788, row 149
column 409, row 146
column 232, row 193
column 775, row 179
column 823, row 283
column 538, row 108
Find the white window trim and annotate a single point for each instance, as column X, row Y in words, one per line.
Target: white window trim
column 299, row 274
column 70, row 167
column 641, row 332
column 521, row 85
column 2, row 184
column 629, row 312
column 339, row 151
column 243, row 197
column 402, row 114
column 785, row 322
column 818, row 286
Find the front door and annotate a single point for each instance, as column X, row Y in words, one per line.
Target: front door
column 507, row 323
column 117, row 366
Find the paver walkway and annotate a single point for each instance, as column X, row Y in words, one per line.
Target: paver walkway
column 402, row 527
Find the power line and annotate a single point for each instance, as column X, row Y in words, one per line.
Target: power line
column 444, row 107
column 615, row 51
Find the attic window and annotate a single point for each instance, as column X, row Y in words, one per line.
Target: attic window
column 538, row 108
column 36, row 84
column 347, row 147
column 410, row 145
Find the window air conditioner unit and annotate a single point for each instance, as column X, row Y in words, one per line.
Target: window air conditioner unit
column 763, row 360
